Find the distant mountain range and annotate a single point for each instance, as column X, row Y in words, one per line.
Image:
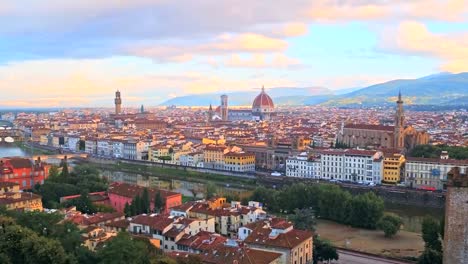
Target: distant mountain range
column 438, row 89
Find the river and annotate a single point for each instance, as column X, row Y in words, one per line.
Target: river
column 9, row 150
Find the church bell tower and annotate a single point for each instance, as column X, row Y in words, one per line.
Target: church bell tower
column 399, row 124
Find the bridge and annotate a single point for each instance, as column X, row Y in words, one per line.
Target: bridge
column 59, row 157
column 9, row 134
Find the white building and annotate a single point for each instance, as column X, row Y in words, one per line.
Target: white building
column 303, row 166
column 430, row 173
column 104, row 147
column 194, row 159
column 73, row 143
column 91, row 146
column 133, row 149
column 362, row 166
column 117, row 148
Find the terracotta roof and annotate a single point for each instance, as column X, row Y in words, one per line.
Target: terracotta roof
column 263, row 100
column 119, row 224
column 20, row 162
column 130, row 190
column 223, row 254
column 158, row 222
column 24, row 196
column 183, row 207
column 370, row 127
column 437, row 160
column 102, row 217
column 290, row 239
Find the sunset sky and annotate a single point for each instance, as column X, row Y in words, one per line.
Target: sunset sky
column 77, row 53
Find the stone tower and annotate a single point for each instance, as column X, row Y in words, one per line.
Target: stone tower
column 224, row 107
column 210, row 114
column 456, row 218
column 399, row 124
column 118, row 103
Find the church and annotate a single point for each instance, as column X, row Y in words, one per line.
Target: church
column 263, row 109
column 398, row 136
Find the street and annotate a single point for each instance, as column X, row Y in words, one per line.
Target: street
column 347, row 257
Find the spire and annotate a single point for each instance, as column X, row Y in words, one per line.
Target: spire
column 263, row 88
column 399, row 94
column 211, row 108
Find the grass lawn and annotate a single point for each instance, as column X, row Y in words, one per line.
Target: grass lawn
column 403, row 244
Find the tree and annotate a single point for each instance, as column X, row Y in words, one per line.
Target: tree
column 430, row 256
column 430, row 234
column 137, row 204
column 83, row 204
column 191, row 259
column 210, row 190
column 442, row 228
column 127, row 210
column 158, row 202
column 304, row 219
column 390, row 224
column 22, row 245
column 122, row 250
column 145, row 202
column 65, row 173
column 366, row 210
column 53, row 173
column 323, row 250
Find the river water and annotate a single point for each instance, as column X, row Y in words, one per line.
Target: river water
column 7, row 150
column 412, row 216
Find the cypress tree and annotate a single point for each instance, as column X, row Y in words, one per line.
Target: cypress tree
column 145, row 201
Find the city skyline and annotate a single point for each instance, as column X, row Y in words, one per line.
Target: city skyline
column 78, row 54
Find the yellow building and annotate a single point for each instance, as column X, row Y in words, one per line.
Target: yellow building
column 13, row 199
column 210, row 141
column 239, row 161
column 393, row 167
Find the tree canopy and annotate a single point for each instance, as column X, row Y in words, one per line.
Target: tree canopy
column 328, row 201
column 323, row 250
column 390, row 224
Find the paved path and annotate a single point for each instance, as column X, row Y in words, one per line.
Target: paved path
column 347, row 257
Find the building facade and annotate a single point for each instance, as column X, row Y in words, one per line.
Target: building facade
column 430, row 173
column 239, row 161
column 123, row 193
column 13, row 199
column 24, row 172
column 359, row 166
column 304, row 166
column 456, row 218
column 394, row 165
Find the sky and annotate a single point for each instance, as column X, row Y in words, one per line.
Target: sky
column 57, row 53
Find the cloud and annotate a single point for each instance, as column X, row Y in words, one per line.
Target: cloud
column 352, row 10
column 223, row 44
column 92, row 82
column 414, row 38
column 277, row 60
column 332, row 13
column 292, row 30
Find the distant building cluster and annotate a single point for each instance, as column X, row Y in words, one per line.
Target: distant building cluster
column 368, row 146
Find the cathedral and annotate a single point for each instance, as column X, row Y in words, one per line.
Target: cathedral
column 398, row 136
column 263, row 109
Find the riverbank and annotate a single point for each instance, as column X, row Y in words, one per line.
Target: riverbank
column 404, row 244
column 35, row 151
column 180, row 174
